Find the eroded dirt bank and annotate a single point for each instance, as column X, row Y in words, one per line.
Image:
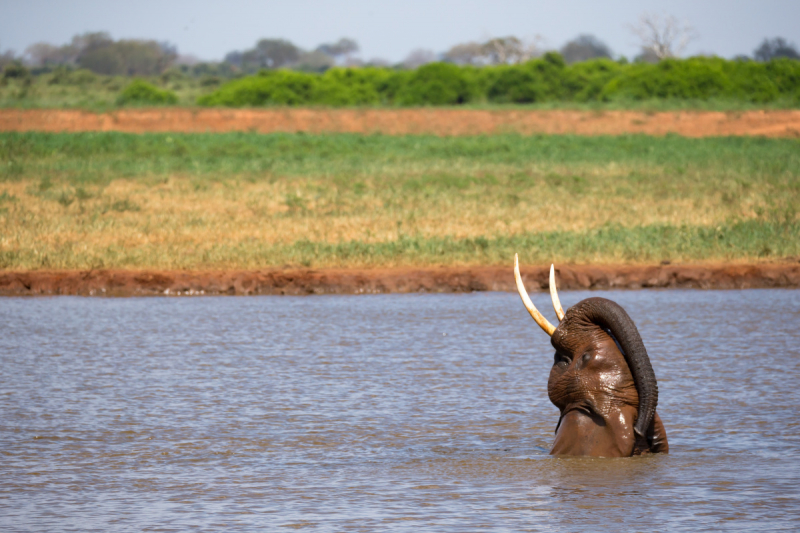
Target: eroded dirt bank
column 393, row 280
column 778, row 123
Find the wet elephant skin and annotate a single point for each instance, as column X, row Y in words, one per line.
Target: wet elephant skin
column 592, row 384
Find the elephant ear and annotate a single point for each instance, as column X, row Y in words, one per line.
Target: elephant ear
column 612, row 317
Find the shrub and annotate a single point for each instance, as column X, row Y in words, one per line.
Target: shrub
column 82, row 76
column 547, row 78
column 437, row 84
column 336, row 87
column 785, row 74
column 141, row 92
column 390, row 84
column 695, row 78
column 59, row 75
column 279, row 87
column 15, row 70
column 585, row 81
column 549, row 70
column 210, row 81
column 349, row 86
column 516, row 85
column 751, row 82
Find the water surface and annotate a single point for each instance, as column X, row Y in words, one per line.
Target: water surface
column 383, row 413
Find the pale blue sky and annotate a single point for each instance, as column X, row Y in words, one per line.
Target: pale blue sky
column 390, row 30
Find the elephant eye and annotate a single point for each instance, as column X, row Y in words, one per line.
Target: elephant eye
column 561, row 359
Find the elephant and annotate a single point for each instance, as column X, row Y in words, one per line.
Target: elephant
column 601, row 380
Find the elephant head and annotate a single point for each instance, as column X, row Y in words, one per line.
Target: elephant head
column 601, row 379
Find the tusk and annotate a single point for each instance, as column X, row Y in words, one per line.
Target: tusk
column 535, row 314
column 554, row 295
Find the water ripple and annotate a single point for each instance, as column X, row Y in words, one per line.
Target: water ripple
column 386, row 412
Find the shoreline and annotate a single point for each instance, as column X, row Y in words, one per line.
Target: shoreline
column 305, row 281
column 412, row 121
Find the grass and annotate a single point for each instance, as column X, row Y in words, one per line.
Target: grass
column 95, row 93
column 249, row 201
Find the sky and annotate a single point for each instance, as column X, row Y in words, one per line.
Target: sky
column 390, row 30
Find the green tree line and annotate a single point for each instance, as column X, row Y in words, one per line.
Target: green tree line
column 101, row 54
column 545, row 79
column 506, row 70
column 541, row 80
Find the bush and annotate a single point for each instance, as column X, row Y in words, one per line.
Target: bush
column 537, row 80
column 63, row 75
column 437, row 84
column 210, row 81
column 516, row 85
column 350, row 86
column 547, row 78
column 696, row 78
column 82, row 77
column 141, row 92
column 59, row 75
column 585, row 81
column 336, row 87
column 15, row 70
column 785, row 74
column 751, row 82
column 279, row 87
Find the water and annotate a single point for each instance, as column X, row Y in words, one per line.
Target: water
column 382, row 413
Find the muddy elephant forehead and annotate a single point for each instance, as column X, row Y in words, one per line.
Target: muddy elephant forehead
column 574, row 328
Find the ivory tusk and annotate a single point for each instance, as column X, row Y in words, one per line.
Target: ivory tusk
column 526, row 301
column 554, row 295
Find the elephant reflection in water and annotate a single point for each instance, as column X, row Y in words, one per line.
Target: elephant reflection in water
column 601, row 380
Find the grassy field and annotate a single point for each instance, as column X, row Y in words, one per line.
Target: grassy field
column 102, row 200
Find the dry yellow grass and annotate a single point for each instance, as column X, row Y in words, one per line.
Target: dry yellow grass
column 174, row 221
column 51, row 217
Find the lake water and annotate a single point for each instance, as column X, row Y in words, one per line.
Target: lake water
column 383, row 413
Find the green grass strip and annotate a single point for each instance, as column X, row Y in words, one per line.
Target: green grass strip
column 90, row 157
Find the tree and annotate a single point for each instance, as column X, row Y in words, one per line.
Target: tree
column 344, row 47
column 7, row 58
column 584, row 47
column 378, row 62
column 273, row 53
column 505, row 50
column 315, row 61
column 95, row 53
column 267, row 53
column 417, row 58
column 497, row 51
column 470, row 53
column 45, row 54
column 646, row 55
column 774, row 48
column 664, row 36
column 188, row 60
column 145, row 58
column 131, row 57
column 98, row 52
column 89, row 40
column 234, row 58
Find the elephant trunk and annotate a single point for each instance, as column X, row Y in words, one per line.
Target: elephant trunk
column 613, row 318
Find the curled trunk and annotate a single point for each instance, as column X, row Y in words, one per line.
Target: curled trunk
column 613, row 318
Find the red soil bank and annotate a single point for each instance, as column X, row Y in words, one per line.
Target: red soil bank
column 780, row 123
column 398, row 280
